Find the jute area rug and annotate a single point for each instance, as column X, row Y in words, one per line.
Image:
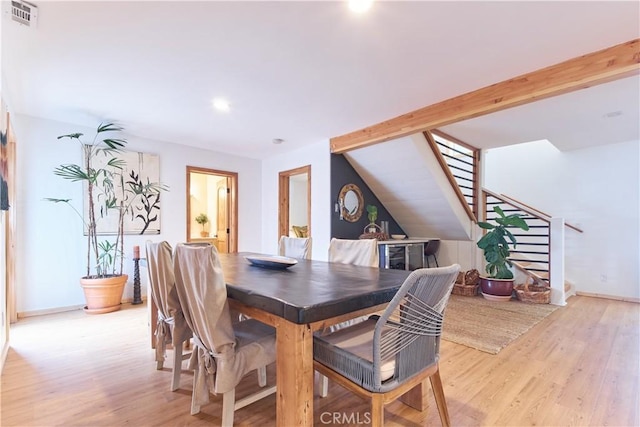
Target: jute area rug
column 490, row 326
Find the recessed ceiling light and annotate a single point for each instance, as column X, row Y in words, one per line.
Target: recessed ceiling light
column 360, row 6
column 277, row 141
column 221, row 104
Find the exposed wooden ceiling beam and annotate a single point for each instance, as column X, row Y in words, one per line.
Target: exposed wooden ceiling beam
column 603, row 66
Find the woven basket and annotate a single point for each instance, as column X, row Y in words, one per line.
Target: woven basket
column 533, row 293
column 467, row 283
column 378, row 235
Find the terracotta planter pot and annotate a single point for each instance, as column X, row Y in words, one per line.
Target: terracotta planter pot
column 496, row 287
column 103, row 295
column 204, row 234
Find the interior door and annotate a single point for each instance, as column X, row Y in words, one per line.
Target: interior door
column 294, row 201
column 214, row 194
column 223, row 216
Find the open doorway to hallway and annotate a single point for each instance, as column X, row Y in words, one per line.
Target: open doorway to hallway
column 212, row 208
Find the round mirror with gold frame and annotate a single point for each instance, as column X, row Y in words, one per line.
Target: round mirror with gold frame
column 351, row 203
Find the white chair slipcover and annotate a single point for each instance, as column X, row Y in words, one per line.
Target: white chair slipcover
column 224, row 352
column 295, row 247
column 363, row 252
column 171, row 326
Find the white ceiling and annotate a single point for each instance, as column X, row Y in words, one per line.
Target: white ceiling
column 603, row 114
column 300, row 71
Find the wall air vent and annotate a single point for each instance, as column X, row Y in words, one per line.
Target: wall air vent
column 24, row 13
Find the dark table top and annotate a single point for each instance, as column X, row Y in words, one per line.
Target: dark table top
column 310, row 290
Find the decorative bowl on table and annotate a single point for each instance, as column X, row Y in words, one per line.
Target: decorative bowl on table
column 271, row 261
column 398, row 236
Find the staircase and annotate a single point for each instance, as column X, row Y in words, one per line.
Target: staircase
column 539, row 252
column 459, row 160
column 531, row 254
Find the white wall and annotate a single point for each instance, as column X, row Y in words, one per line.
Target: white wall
column 318, row 156
column 596, row 189
column 51, row 250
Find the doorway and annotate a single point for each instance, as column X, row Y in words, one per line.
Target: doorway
column 294, row 207
column 212, row 208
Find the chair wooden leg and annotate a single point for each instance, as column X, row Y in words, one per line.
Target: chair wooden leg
column 377, row 410
column 160, row 363
column 324, row 386
column 228, row 402
column 195, row 409
column 262, row 376
column 441, row 403
column 177, row 367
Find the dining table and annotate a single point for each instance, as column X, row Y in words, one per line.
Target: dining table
column 299, row 299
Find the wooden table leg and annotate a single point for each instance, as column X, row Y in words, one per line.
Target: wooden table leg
column 417, row 397
column 294, row 374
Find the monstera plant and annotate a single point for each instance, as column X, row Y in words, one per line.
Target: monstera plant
column 495, row 244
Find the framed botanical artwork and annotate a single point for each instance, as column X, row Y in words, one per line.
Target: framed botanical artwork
column 141, row 212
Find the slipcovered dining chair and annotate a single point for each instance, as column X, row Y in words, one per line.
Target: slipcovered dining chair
column 387, row 355
column 171, row 326
column 225, row 352
column 363, row 252
column 295, row 247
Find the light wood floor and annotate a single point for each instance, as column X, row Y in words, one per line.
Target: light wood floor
column 580, row 366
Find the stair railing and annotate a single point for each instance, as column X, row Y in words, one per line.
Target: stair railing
column 459, row 161
column 533, row 249
column 543, row 214
column 540, row 251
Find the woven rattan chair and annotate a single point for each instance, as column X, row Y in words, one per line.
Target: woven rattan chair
column 171, row 327
column 225, row 351
column 387, row 355
column 295, row 247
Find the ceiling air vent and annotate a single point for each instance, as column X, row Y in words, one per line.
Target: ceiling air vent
column 24, row 13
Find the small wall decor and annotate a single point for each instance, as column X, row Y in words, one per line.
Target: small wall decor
column 351, row 203
column 4, row 157
column 143, row 216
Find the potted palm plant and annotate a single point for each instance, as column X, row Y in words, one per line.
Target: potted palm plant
column 203, row 219
column 499, row 283
column 106, row 191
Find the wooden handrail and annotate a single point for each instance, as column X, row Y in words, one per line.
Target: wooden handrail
column 476, row 165
column 542, row 213
column 449, row 175
column 453, row 139
column 523, row 208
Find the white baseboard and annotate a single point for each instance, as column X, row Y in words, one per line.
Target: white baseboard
column 616, row 298
column 23, row 314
